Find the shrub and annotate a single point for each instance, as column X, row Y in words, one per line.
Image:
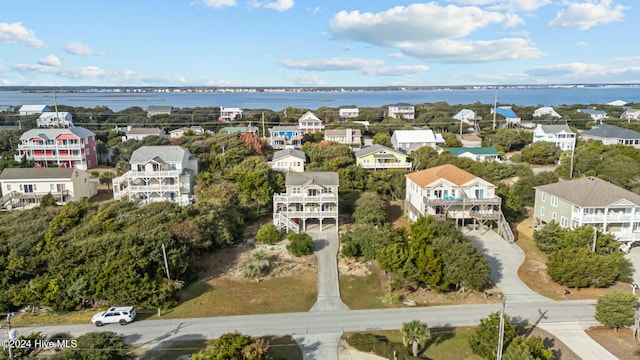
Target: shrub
column 268, row 234
column 300, row 245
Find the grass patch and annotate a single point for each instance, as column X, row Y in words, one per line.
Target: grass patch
column 222, row 296
column 283, row 348
column 445, row 343
column 362, row 292
column 54, row 318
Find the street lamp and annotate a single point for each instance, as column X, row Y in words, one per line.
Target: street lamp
column 13, row 334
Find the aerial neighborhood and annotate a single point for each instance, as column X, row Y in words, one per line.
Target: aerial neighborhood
column 209, row 212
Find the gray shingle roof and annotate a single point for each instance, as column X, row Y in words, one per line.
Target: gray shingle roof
column 589, row 192
column 289, row 152
column 325, row 178
column 611, row 131
column 35, row 173
column 554, row 129
column 53, row 133
column 144, row 131
column 166, row 153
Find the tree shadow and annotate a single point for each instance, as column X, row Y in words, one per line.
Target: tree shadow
column 173, row 349
column 438, row 336
column 495, row 265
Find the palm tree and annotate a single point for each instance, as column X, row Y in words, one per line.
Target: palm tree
column 414, row 332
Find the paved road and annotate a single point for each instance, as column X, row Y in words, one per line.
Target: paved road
column 318, row 331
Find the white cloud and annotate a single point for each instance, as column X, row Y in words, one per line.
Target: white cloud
column 396, row 70
column 586, row 15
column 89, row 73
column 4, row 82
column 17, row 33
column 278, row 5
column 433, row 32
column 306, row 80
column 582, row 43
column 77, row 48
column 218, row 4
column 49, row 60
column 607, row 72
column 333, row 64
column 510, row 5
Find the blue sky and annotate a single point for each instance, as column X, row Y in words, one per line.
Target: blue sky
column 317, row 43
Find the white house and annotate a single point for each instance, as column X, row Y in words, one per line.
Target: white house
column 448, row 192
column 546, row 111
column 475, row 153
column 560, row 135
column 154, row 110
column 288, row 160
column 311, row 200
column 309, row 123
column 230, row 114
column 411, row 140
column 54, row 119
column 611, row 135
column 349, row 137
column 511, row 118
column 630, row 114
column 25, row 187
column 158, row 173
column 401, row 111
column 597, row 115
column 32, row 109
column 178, row 133
column 348, row 113
column 282, row 137
column 136, row 133
column 467, row 116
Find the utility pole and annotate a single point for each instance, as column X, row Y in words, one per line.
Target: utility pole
column 595, row 238
column 166, row 263
column 501, row 330
column 495, row 108
column 13, row 334
column 573, row 151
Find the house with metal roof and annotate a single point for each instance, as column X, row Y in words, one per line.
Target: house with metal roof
column 612, row 135
column 26, row 110
column 63, row 147
column 54, row 119
column 467, row 116
column 474, row 153
column 25, row 187
column 589, row 201
column 381, row 157
column 310, row 201
column 411, row 140
column 510, row 117
column 158, row 173
column 630, row 114
column 448, row 192
column 288, row 160
column 597, row 115
column 560, row 135
column 139, row 133
column 178, row 133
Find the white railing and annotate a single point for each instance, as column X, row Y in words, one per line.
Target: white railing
column 397, row 165
column 28, row 146
column 611, row 217
column 305, row 198
column 146, row 174
column 288, row 223
column 309, row 214
column 154, row 188
column 626, row 235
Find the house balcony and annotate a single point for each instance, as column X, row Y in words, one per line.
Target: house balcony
column 389, row 165
column 153, row 188
column 604, row 218
column 309, row 214
column 496, row 200
column 58, row 157
column 626, row 235
column 300, row 198
column 31, row 146
column 132, row 174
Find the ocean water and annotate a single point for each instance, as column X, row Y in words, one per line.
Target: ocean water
column 317, row 99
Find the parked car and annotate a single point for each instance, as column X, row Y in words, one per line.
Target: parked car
column 121, row 315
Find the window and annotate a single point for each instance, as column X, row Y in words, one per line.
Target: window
column 554, row 201
column 563, row 221
column 543, row 197
column 52, row 187
column 8, row 187
column 542, row 211
column 554, row 215
column 296, row 190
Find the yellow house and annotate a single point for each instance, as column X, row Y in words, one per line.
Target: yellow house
column 381, row 157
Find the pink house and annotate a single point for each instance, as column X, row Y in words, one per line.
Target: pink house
column 73, row 147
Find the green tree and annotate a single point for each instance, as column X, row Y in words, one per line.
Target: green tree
column 105, row 345
column 382, row 138
column 300, row 244
column 527, row 348
column 370, row 209
column 549, row 237
column 106, row 178
column 579, row 267
column 47, row 200
column 541, row 152
column 616, row 309
column 268, row 234
column 234, row 346
column 413, row 333
column 484, row 340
